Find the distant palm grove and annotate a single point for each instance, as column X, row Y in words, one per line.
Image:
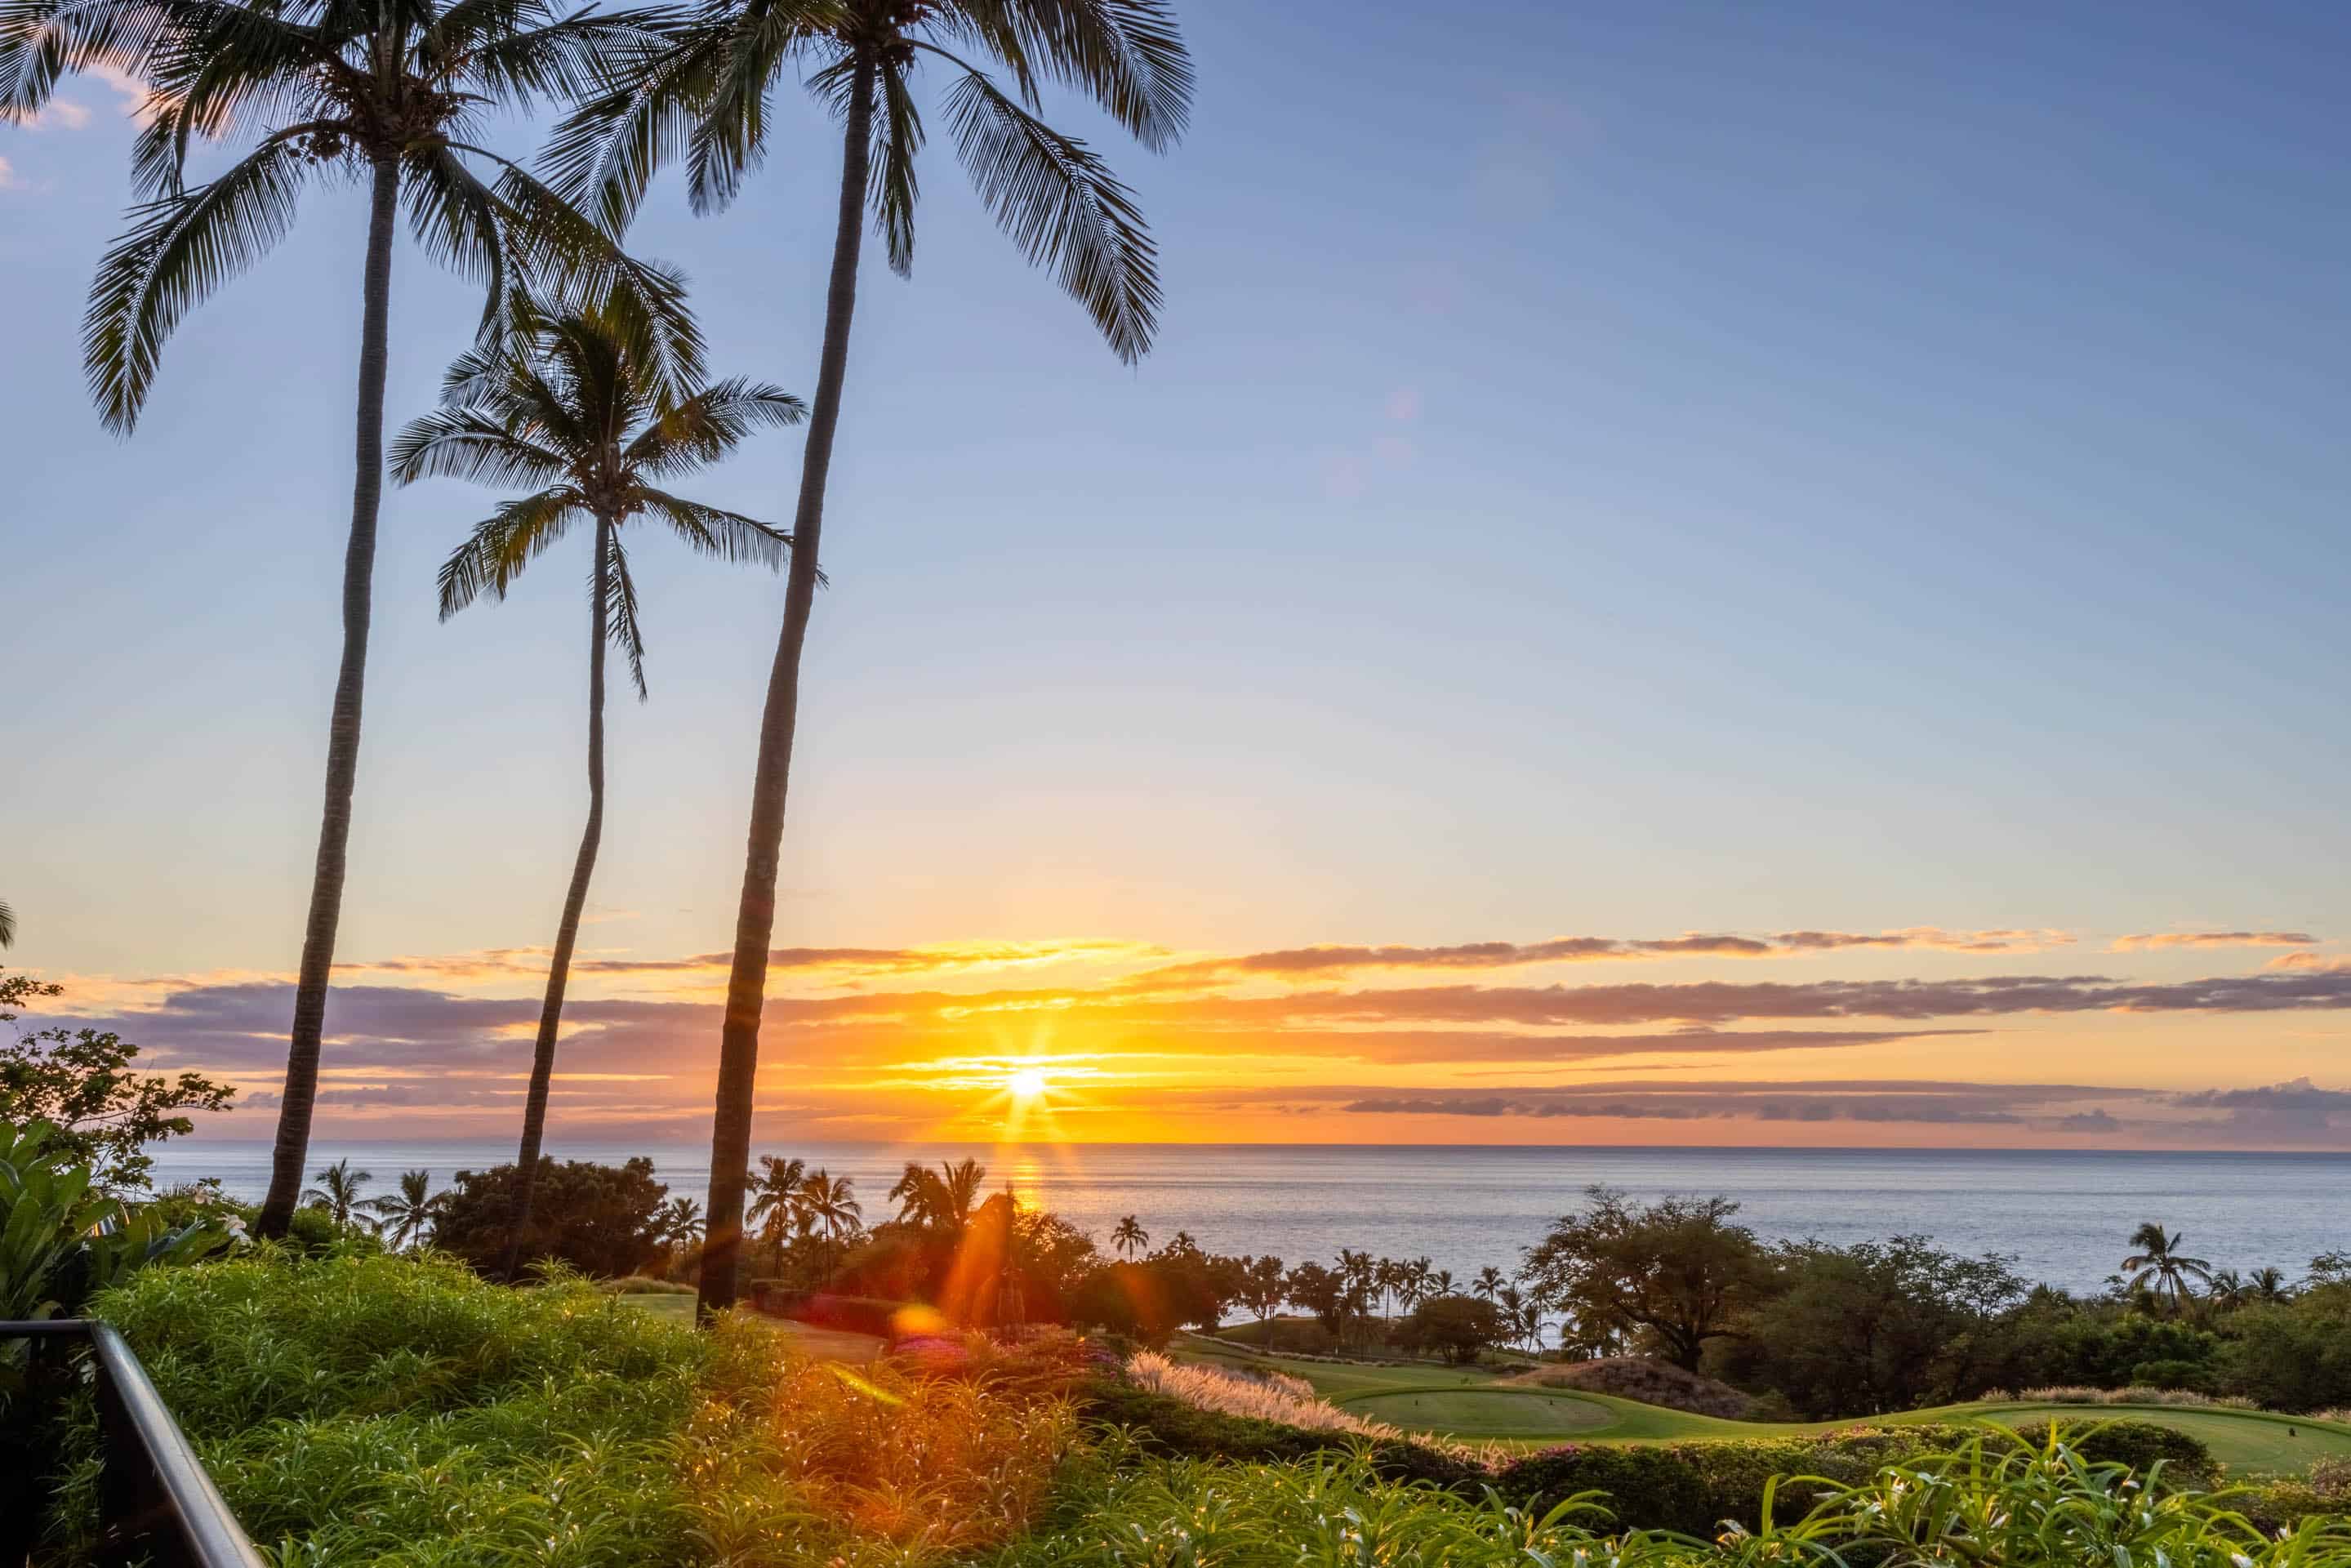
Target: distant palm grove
column 585, row 396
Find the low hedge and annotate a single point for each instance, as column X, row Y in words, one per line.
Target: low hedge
column 1693, row 1485
column 1169, row 1428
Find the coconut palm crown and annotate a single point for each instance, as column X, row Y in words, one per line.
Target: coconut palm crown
column 566, row 403
column 705, row 98
column 390, row 92
column 2158, row 1266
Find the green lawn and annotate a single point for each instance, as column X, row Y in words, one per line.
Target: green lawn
column 676, row 1309
column 1468, row 1403
column 825, row 1345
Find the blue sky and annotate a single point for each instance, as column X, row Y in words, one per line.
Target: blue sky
column 1607, row 466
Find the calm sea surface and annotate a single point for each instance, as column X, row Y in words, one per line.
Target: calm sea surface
column 2066, row 1216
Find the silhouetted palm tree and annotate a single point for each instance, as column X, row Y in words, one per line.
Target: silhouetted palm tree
column 778, row 1199
column 831, row 1200
column 568, row 403
column 2158, row 1267
column 392, row 95
column 1489, row 1281
column 708, row 97
column 408, row 1217
column 1441, row 1282
column 8, row 925
column 338, row 1193
column 2268, row 1284
column 2227, row 1290
column 1130, row 1237
column 680, row 1220
column 941, row 1200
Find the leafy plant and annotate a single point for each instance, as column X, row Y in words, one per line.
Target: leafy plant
column 602, row 1220
column 62, row 1241
column 100, row 1110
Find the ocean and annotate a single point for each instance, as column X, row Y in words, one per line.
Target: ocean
column 2066, row 1216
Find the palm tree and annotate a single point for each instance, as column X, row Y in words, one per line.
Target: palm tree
column 1130, row 1237
column 941, row 1200
column 2268, row 1284
column 831, row 1200
column 338, row 1193
column 1489, row 1281
column 392, row 95
column 2158, row 1267
column 777, row 1201
column 680, row 1221
column 411, row 1216
column 708, row 96
column 1441, row 1282
column 8, row 925
column 566, row 402
column 2227, row 1290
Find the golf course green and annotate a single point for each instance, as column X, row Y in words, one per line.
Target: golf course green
column 1472, row 1403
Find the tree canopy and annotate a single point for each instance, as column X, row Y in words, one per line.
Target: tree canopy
column 80, row 1080
column 1675, row 1273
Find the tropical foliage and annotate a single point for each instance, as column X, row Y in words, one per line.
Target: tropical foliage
column 604, row 1221
column 80, row 1081
column 408, row 1217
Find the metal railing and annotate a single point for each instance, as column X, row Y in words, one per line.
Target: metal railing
column 156, row 1502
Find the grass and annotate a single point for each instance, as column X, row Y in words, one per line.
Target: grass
column 1467, row 1402
column 821, row 1344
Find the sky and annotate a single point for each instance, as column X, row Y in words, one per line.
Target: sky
column 1684, row 573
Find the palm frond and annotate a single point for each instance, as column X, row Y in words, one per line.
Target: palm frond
column 578, row 265
column 1126, row 55
column 729, row 138
column 568, row 60
column 501, row 545
column 463, row 444
column 42, row 40
column 606, row 151
column 620, row 617
column 727, row 536
column 220, row 69
column 177, row 252
column 893, row 189
column 1061, row 206
column 709, row 425
column 8, row 925
column 462, row 224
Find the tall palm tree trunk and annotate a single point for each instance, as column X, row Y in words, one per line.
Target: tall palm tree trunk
column 301, row 1091
column 575, row 899
column 755, row 922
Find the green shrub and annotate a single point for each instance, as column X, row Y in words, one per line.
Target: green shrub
column 602, row 1220
column 1991, row 1501
column 1692, row 1486
column 1159, row 1426
column 382, row 1409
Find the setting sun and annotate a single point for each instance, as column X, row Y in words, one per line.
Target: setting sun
column 1028, row 1083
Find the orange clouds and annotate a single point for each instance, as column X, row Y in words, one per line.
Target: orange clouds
column 2156, row 940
